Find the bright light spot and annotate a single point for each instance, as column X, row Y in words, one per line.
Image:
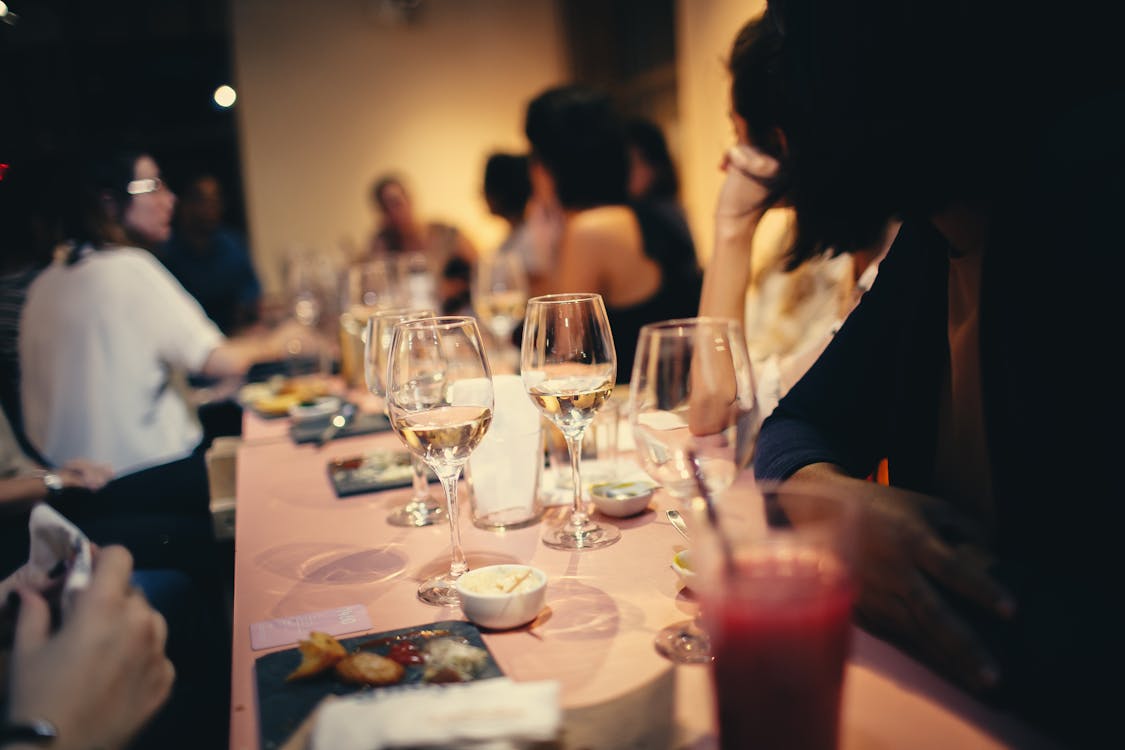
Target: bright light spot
column 3, row 9
column 225, row 96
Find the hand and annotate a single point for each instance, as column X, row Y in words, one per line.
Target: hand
column 901, row 563
column 104, row 674
column 85, row 474
column 743, row 194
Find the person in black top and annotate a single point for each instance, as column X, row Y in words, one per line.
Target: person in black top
column 979, row 363
column 631, row 254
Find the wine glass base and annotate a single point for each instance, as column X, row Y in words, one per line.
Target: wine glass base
column 440, row 592
column 417, row 515
column 683, row 643
column 589, row 536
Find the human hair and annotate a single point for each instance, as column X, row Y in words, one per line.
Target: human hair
column 577, row 135
column 93, row 213
column 506, row 184
column 648, row 139
column 896, row 112
column 381, row 184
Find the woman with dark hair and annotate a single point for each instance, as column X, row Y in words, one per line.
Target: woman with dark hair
column 978, row 364
column 789, row 311
column 629, row 253
column 652, row 173
column 106, row 329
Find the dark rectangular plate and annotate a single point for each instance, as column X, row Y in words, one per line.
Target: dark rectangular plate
column 363, row 424
column 372, row 472
column 282, row 706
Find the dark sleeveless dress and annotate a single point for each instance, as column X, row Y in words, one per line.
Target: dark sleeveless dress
column 681, row 282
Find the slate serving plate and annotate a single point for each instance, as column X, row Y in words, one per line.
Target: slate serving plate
column 282, row 706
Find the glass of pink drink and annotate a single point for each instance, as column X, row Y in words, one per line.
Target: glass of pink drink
column 779, row 617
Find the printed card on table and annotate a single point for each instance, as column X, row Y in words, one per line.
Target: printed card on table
column 288, row 630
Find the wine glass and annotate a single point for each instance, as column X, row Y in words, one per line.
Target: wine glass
column 568, row 365
column 365, row 289
column 310, row 283
column 422, row 509
column 439, row 394
column 499, row 294
column 692, row 410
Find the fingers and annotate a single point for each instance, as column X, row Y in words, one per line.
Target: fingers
column 34, row 624
column 952, row 641
column 751, row 162
column 112, row 569
column 962, row 573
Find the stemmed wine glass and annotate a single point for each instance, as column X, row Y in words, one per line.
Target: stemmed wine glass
column 692, row 410
column 499, row 294
column 569, row 366
column 439, row 394
column 422, row 509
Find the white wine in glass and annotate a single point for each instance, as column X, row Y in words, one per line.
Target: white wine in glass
column 499, row 294
column 691, row 406
column 422, row 509
column 440, row 399
column 569, row 367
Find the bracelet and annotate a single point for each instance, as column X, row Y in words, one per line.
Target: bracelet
column 35, row 732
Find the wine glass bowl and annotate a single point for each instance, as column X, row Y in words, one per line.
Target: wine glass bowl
column 499, row 293
column 569, row 366
column 422, row 509
column 440, row 400
column 692, row 411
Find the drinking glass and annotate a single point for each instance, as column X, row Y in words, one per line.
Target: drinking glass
column 499, row 294
column 568, row 365
column 310, row 284
column 439, row 394
column 691, row 408
column 777, row 602
column 422, row 509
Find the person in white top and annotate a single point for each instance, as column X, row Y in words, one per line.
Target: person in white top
column 106, row 327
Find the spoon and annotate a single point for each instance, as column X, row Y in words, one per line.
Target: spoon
column 678, row 523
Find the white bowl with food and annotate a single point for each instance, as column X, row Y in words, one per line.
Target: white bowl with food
column 502, row 596
column 622, row 499
column 315, row 409
column 681, row 563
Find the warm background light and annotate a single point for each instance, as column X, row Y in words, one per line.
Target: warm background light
column 225, row 96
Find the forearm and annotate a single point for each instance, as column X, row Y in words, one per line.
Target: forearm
column 728, row 271
column 22, row 491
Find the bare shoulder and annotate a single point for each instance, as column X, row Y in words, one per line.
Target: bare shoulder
column 604, row 227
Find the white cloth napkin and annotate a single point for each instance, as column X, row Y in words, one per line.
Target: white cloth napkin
column 495, row 714
column 53, row 540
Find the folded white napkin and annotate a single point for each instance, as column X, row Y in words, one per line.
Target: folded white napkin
column 496, row 714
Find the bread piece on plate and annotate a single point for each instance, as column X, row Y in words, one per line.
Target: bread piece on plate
column 367, row 668
column 319, row 652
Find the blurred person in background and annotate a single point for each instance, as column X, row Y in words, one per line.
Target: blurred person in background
column 446, row 252
column 211, row 260
column 105, row 330
column 633, row 255
column 652, row 173
column 507, row 190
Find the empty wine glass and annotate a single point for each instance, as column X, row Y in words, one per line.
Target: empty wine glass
column 499, row 294
column 439, row 394
column 569, row 365
column 691, row 406
column 422, row 509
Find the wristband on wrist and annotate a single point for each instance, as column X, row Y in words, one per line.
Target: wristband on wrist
column 33, row 732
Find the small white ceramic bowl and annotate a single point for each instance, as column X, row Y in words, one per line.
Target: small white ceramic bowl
column 681, row 563
column 320, row 408
column 502, row 596
column 622, row 499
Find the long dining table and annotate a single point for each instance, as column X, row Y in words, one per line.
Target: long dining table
column 299, row 549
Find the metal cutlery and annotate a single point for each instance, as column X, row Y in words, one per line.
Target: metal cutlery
column 339, row 421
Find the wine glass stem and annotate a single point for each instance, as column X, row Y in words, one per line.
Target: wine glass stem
column 421, row 483
column 457, row 564
column 578, row 511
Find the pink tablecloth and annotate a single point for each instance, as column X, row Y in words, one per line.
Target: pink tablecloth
column 300, row 549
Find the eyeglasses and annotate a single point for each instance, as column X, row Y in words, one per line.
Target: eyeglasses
column 146, row 185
